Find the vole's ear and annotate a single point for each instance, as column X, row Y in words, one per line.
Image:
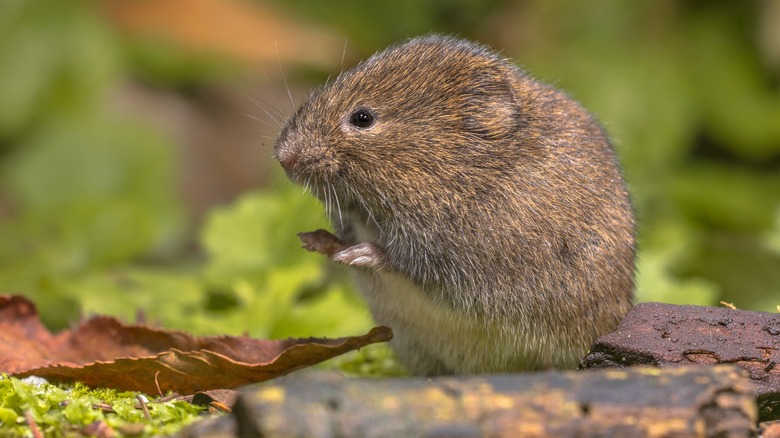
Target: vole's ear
column 491, row 108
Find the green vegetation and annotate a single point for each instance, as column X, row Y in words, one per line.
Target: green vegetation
column 69, row 411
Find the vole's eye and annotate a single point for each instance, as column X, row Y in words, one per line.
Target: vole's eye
column 362, row 118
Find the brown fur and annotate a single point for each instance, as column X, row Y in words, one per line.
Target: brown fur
column 494, row 202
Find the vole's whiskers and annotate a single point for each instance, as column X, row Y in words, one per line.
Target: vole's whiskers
column 364, row 205
column 328, row 201
column 274, row 114
column 307, row 186
column 261, row 120
column 338, row 205
column 279, row 109
column 284, row 78
column 323, row 199
column 343, row 55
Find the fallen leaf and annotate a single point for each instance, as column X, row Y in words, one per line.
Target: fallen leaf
column 103, row 352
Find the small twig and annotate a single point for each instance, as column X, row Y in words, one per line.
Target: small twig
column 729, row 305
column 168, row 397
column 33, row 426
column 142, row 400
column 157, row 383
column 103, row 407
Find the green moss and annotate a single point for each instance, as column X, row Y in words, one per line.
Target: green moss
column 58, row 409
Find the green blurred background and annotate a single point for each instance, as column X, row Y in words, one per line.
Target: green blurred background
column 136, row 138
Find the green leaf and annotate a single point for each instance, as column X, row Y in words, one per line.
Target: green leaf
column 258, row 233
column 334, row 313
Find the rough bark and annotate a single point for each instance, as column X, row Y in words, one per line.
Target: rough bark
column 666, row 335
column 649, row 402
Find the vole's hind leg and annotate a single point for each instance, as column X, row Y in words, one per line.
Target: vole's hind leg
column 364, row 254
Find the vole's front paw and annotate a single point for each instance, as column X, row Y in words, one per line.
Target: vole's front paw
column 321, row 241
column 365, row 254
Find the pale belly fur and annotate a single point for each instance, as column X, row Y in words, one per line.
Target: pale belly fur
column 432, row 338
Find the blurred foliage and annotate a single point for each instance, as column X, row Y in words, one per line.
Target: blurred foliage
column 91, row 220
column 384, row 23
column 165, row 65
column 87, row 189
column 255, row 280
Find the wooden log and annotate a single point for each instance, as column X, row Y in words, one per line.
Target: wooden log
column 649, row 402
column 666, row 335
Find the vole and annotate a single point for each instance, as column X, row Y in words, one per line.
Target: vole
column 482, row 214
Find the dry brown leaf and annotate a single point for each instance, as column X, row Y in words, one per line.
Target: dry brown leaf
column 103, row 352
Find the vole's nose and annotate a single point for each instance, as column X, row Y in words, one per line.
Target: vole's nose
column 286, row 157
column 287, row 162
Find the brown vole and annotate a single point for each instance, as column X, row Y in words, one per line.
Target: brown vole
column 483, row 214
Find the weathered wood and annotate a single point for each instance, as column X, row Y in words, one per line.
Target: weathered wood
column 684, row 402
column 211, row 427
column 666, row 335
